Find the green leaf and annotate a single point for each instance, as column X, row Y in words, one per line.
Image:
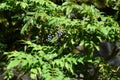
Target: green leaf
column 33, row 76
column 24, row 63
column 34, row 71
column 69, row 10
column 105, row 31
column 90, row 61
column 23, row 5
column 72, row 41
column 39, row 70
column 81, row 60
column 97, row 60
column 24, row 28
column 66, row 79
column 3, row 5
column 60, row 50
column 13, row 63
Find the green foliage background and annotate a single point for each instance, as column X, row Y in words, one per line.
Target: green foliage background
column 26, row 24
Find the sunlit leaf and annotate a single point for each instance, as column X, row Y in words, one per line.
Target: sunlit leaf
column 13, row 63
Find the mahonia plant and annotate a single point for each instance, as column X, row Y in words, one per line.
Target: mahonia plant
column 40, row 36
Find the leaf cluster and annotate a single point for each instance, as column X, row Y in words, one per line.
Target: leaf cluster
column 51, row 31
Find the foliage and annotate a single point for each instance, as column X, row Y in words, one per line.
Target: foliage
column 110, row 70
column 44, row 61
column 49, row 32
